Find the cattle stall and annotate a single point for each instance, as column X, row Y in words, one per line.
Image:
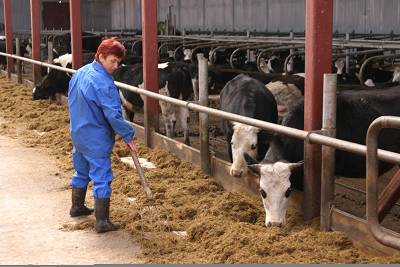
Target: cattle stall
column 220, row 171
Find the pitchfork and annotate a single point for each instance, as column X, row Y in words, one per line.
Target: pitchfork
column 151, row 213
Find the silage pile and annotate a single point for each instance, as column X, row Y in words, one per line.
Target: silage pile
column 221, row 227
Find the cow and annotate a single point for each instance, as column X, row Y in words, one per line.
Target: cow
column 132, row 75
column 344, row 78
column 281, row 168
column 392, row 81
column 287, row 91
column 246, row 96
column 174, row 80
column 56, row 81
column 3, row 61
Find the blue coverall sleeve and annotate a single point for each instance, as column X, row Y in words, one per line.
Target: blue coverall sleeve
column 111, row 105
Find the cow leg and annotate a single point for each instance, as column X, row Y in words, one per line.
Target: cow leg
column 169, row 126
column 195, row 83
column 184, row 120
column 124, row 113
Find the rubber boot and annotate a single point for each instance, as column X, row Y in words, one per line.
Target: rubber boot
column 102, row 212
column 78, row 203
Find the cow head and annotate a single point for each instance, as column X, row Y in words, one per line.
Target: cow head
column 168, row 112
column 273, row 64
column 244, row 140
column 396, row 74
column 55, row 81
column 41, row 91
column 188, row 54
column 274, row 188
column 264, row 66
column 339, row 65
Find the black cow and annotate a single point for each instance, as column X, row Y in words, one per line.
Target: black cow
column 355, row 112
column 246, row 96
column 356, row 109
column 174, row 80
column 132, row 75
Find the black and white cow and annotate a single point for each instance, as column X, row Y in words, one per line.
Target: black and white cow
column 344, row 78
column 174, row 79
column 356, row 109
column 246, row 96
column 132, row 75
column 55, row 82
column 3, row 60
column 392, row 80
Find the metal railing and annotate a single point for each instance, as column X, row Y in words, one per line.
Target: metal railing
column 312, row 137
column 389, row 239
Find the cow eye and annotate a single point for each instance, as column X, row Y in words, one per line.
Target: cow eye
column 263, row 194
column 288, row 191
column 253, row 146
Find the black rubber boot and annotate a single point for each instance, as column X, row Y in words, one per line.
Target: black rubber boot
column 78, row 203
column 102, row 213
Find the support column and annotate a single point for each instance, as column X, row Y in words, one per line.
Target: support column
column 319, row 22
column 150, row 69
column 9, row 35
column 76, row 32
column 35, row 33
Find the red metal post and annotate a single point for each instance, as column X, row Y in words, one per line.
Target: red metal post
column 319, row 22
column 35, row 31
column 9, row 35
column 76, row 32
column 150, row 69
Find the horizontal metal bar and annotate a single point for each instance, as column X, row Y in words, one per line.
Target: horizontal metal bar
column 315, row 138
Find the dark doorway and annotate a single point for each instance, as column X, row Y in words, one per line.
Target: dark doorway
column 56, row 15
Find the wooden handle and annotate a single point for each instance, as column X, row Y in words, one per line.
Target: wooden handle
column 142, row 178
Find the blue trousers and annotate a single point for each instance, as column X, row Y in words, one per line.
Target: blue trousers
column 96, row 169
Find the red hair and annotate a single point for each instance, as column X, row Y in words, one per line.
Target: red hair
column 110, row 46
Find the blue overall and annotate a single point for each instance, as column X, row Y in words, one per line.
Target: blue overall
column 95, row 118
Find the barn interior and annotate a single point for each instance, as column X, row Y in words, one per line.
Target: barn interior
column 222, row 216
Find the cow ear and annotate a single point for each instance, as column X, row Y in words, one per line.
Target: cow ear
column 293, row 166
column 249, row 159
column 256, row 168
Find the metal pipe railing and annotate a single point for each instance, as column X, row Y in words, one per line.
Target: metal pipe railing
column 334, row 56
column 253, row 46
column 283, row 48
column 312, row 137
column 212, row 53
column 388, row 239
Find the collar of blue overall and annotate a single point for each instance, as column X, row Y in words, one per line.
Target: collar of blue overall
column 99, row 67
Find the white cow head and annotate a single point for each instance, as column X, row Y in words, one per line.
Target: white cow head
column 168, row 112
column 188, row 54
column 244, row 140
column 263, row 65
column 396, row 74
column 274, row 188
column 369, row 83
column 339, row 64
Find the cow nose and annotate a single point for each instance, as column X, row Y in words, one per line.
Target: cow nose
column 236, row 173
column 277, row 224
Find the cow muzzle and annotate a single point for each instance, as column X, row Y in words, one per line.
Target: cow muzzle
column 236, row 172
column 277, row 224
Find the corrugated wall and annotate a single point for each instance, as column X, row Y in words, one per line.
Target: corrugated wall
column 362, row 16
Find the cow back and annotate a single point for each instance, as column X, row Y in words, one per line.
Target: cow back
column 246, row 96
